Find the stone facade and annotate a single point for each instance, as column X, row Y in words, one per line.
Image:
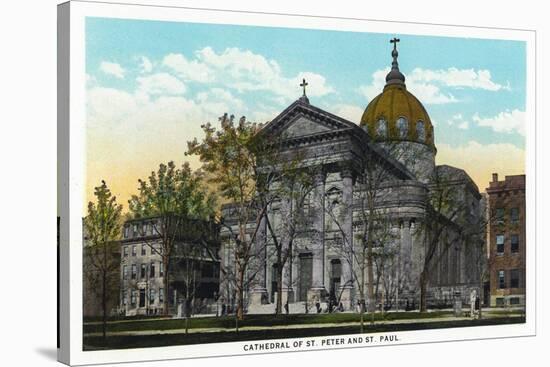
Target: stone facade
column 507, row 245
column 321, row 267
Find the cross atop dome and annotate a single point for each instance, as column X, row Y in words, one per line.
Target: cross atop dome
column 394, row 41
column 395, row 76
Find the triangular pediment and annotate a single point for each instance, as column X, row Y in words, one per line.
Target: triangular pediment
column 302, row 119
column 302, row 126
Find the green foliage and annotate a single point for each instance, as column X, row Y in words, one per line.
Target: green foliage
column 102, row 223
column 230, row 156
column 172, row 191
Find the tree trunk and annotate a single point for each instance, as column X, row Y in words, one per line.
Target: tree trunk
column 279, row 306
column 240, row 297
column 165, row 282
column 186, row 325
column 104, row 292
column 370, row 281
column 481, row 296
column 423, row 287
column 362, row 312
column 104, row 305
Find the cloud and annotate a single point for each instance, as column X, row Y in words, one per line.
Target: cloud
column 160, row 84
column 188, row 70
column 453, row 77
column 112, row 68
column 130, row 133
column 146, row 65
column 218, row 101
column 458, row 121
column 480, row 161
column 425, row 92
column 349, row 112
column 427, row 84
column 109, row 104
column 464, row 125
column 245, row 71
column 506, row 122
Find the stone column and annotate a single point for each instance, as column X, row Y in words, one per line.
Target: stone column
column 405, row 259
column 318, row 290
column 284, row 237
column 346, row 280
column 258, row 295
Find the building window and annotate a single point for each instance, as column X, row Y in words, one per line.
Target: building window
column 124, row 272
column 143, row 250
column 420, row 131
column 500, row 244
column 514, row 301
column 501, row 279
column 134, row 271
column 151, row 296
column 402, row 127
column 161, row 295
column 143, row 271
column 499, row 215
column 124, row 298
column 133, row 298
column 145, row 229
column 135, row 230
column 161, row 269
column 126, row 231
column 152, row 270
column 515, row 243
column 514, row 215
column 382, row 128
column 125, row 251
column 500, row 301
column 514, row 278
column 134, row 250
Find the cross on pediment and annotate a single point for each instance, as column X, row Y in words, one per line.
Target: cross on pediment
column 304, row 84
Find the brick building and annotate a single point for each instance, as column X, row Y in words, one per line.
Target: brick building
column 194, row 268
column 506, row 200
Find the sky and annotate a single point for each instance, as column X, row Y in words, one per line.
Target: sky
column 151, row 84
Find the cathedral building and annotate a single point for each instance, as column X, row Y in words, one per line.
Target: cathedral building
column 369, row 213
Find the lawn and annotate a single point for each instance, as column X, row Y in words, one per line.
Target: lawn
column 255, row 320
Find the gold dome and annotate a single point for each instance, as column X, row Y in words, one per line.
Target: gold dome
column 393, row 104
column 396, row 114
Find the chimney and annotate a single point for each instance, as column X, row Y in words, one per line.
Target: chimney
column 495, row 177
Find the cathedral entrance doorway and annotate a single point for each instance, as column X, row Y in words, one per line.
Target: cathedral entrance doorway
column 335, row 274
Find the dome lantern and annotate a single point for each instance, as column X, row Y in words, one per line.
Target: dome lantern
column 395, row 76
column 396, row 114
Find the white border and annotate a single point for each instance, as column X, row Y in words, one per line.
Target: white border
column 79, row 10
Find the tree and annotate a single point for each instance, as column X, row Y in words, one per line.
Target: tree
column 102, row 225
column 174, row 197
column 445, row 213
column 236, row 158
column 292, row 190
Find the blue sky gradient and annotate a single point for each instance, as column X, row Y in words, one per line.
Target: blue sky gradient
column 485, row 106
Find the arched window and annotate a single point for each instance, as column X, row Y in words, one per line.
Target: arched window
column 420, row 131
column 381, row 128
column 402, row 127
